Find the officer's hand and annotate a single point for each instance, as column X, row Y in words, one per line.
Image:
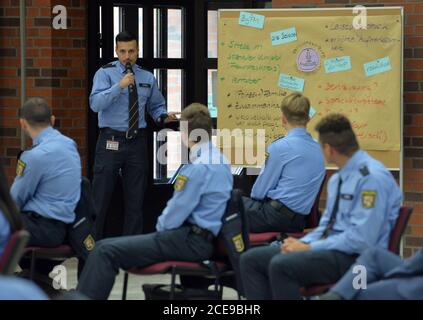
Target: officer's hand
column 291, row 245
column 127, row 80
column 172, row 116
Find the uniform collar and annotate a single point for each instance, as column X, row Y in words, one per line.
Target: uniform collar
column 352, row 164
column 42, row 135
column 200, row 151
column 296, row 132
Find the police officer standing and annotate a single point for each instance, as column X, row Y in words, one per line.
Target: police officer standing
column 387, row 277
column 287, row 186
column 47, row 186
column 122, row 92
column 188, row 224
column 362, row 207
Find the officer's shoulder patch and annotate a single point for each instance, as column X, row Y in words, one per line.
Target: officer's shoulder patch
column 368, row 198
column 180, row 182
column 89, row 242
column 238, row 243
column 20, row 167
column 364, row 170
column 109, row 65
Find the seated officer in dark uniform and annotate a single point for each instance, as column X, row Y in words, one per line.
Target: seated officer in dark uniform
column 188, row 224
column 287, row 186
column 362, row 207
column 47, row 186
column 386, row 277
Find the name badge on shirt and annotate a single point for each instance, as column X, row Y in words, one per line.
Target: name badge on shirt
column 112, row 145
column 347, row 196
column 145, row 85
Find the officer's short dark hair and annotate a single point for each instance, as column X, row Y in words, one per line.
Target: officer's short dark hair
column 125, row 36
column 335, row 129
column 296, row 108
column 198, row 117
column 36, row 111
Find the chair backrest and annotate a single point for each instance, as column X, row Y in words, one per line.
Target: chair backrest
column 399, row 228
column 13, row 251
column 80, row 235
column 234, row 233
column 312, row 220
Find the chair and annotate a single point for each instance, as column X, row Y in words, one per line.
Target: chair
column 394, row 247
column 66, row 250
column 231, row 242
column 13, row 251
column 312, row 222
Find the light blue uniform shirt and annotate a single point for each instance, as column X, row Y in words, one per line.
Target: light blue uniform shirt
column 368, row 207
column 50, row 184
column 293, row 172
column 202, row 190
column 12, row 288
column 4, row 232
column 111, row 102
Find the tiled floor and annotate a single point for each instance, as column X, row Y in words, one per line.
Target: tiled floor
column 134, row 284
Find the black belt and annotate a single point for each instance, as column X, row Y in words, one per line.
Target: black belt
column 200, row 231
column 123, row 134
column 279, row 206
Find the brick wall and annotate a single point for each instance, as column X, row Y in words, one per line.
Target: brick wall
column 56, row 70
column 413, row 105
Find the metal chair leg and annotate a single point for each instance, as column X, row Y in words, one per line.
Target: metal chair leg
column 125, row 285
column 173, row 284
column 32, row 265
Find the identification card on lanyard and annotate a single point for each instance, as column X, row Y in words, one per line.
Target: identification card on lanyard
column 112, row 145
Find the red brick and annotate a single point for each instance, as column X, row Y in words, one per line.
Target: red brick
column 413, row 64
column 414, row 41
column 418, row 8
column 413, row 75
column 413, row 97
column 409, row 30
column 414, row 19
column 8, row 112
column 416, row 219
column 417, row 230
column 413, row 175
column 418, row 30
column 291, row 2
column 418, row 120
column 413, row 131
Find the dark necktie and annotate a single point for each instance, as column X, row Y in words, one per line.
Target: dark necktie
column 133, row 112
column 334, row 212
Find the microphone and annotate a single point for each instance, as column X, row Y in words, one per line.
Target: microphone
column 128, row 70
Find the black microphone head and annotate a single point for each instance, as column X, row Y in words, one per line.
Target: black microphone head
column 128, row 67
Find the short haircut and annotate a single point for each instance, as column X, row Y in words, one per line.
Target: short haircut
column 296, row 108
column 36, row 111
column 125, row 36
column 198, row 117
column 335, row 129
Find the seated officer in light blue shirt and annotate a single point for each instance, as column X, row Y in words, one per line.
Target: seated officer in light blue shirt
column 4, row 232
column 379, row 274
column 362, row 206
column 188, row 224
column 287, row 186
column 47, row 186
column 10, row 220
column 12, row 288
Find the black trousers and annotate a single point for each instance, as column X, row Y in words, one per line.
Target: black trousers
column 132, row 161
column 112, row 254
column 269, row 274
column 43, row 233
column 264, row 218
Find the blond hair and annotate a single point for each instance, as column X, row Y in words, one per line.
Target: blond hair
column 296, row 108
column 198, row 117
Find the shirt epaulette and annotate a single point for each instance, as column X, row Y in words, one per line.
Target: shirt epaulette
column 364, row 170
column 109, row 65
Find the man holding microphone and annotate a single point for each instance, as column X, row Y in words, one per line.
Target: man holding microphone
column 122, row 93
